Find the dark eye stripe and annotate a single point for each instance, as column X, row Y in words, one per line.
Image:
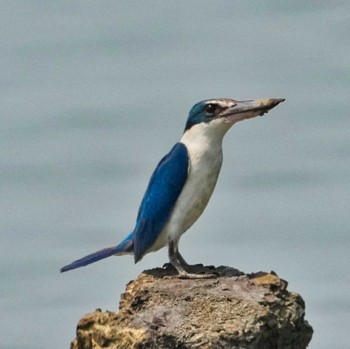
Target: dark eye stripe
column 210, row 108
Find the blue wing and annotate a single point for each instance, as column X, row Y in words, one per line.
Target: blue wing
column 163, row 190
column 159, row 200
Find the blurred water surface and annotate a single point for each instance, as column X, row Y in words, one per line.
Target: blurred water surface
column 93, row 94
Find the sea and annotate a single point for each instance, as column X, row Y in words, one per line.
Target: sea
column 94, row 93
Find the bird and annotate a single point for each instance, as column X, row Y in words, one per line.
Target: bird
column 182, row 183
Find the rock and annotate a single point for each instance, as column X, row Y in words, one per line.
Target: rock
column 234, row 310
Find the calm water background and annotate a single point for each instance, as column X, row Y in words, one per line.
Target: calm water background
column 93, row 94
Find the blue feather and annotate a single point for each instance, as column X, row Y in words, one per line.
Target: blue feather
column 163, row 190
column 159, row 200
column 124, row 247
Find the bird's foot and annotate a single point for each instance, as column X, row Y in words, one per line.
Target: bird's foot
column 196, row 276
column 186, row 271
column 197, row 271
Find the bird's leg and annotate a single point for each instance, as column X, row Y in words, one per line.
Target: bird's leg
column 181, row 259
column 173, row 257
column 179, row 264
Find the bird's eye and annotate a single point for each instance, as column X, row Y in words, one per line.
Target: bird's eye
column 210, row 108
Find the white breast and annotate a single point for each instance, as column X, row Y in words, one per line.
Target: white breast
column 204, row 145
column 204, row 169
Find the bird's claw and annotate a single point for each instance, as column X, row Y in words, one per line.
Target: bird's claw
column 197, row 276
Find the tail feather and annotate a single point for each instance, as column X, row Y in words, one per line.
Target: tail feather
column 124, row 247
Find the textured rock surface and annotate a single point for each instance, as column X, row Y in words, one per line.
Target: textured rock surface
column 234, row 310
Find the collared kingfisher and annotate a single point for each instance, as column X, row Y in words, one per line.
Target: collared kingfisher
column 182, row 183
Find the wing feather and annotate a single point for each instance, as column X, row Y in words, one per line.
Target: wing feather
column 159, row 200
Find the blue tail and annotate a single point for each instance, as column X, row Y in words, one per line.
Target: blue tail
column 126, row 246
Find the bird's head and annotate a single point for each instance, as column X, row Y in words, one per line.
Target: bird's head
column 224, row 112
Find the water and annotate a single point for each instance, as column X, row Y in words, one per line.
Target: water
column 93, row 95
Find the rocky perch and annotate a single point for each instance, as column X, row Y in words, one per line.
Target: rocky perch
column 234, row 310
